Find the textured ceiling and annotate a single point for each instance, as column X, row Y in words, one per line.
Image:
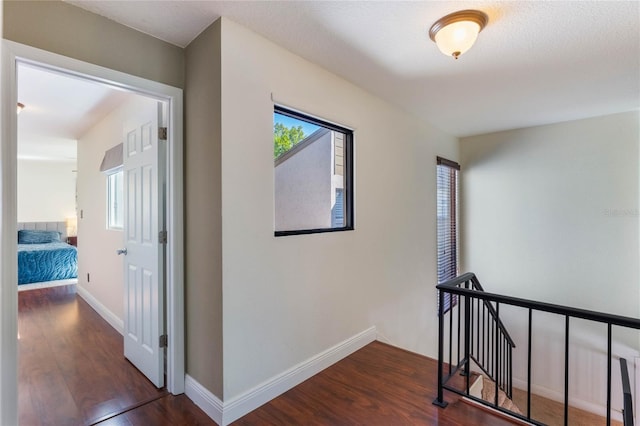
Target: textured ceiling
column 537, row 62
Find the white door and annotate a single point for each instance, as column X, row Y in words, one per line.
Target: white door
column 143, row 168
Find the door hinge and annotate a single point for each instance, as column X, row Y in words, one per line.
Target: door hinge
column 162, row 237
column 162, row 133
column 164, row 341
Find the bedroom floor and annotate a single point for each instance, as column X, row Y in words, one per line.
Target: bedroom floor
column 71, row 369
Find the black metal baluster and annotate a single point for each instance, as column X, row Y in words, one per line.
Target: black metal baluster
column 529, row 368
column 440, row 399
column 467, row 340
column 510, row 372
column 497, row 353
column 484, row 333
column 471, row 328
column 450, row 332
column 609, row 374
column 566, row 371
column 458, row 347
column 502, row 357
column 505, row 363
column 493, row 350
column 478, row 331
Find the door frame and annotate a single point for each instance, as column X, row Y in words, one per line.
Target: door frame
column 12, row 54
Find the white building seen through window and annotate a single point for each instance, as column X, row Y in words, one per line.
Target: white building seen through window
column 313, row 175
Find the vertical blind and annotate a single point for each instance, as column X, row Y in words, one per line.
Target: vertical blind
column 447, row 188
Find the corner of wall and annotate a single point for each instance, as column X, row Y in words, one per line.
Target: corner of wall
column 203, row 218
column 226, row 412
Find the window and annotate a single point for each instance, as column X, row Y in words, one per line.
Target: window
column 115, row 207
column 313, row 172
column 447, row 205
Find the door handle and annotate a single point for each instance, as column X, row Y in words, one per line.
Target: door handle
column 122, row 251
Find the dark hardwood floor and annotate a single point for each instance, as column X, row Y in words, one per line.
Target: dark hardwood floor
column 71, row 368
column 377, row 385
column 72, row 372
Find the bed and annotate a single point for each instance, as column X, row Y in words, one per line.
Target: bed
column 44, row 259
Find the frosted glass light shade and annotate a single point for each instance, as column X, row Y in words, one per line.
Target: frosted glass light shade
column 457, row 38
column 455, row 33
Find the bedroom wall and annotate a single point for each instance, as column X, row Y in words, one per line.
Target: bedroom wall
column 59, row 27
column 550, row 213
column 97, row 245
column 290, row 298
column 46, row 190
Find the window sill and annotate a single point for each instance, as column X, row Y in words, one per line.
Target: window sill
column 311, row 231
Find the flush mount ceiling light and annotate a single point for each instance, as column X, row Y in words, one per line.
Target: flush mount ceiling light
column 20, row 107
column 455, row 33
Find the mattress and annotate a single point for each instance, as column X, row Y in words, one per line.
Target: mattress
column 46, row 262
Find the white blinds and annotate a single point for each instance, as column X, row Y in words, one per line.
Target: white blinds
column 447, row 189
column 112, row 159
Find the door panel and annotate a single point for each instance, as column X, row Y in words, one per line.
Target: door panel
column 144, row 279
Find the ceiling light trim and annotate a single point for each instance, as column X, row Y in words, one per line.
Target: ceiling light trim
column 476, row 16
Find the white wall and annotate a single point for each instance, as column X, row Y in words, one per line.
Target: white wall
column 97, row 245
column 290, row 298
column 46, row 190
column 550, row 213
column 303, row 190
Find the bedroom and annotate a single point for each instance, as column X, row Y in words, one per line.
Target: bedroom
column 66, row 182
column 47, row 174
column 55, row 114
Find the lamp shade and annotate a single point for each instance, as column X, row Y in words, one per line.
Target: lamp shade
column 72, row 226
column 454, row 34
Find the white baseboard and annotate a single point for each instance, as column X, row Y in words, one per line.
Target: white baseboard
column 226, row 412
column 600, row 410
column 208, row 402
column 102, row 310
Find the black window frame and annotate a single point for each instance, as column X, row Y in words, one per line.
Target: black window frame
column 450, row 300
column 348, row 172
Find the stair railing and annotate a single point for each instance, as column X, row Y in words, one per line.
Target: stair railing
column 467, row 289
column 485, row 339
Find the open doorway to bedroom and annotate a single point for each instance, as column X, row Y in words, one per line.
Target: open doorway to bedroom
column 72, row 298
column 15, row 55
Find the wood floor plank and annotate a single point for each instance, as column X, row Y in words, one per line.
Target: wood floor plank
column 377, row 385
column 169, row 410
column 551, row 412
column 71, row 367
column 72, row 372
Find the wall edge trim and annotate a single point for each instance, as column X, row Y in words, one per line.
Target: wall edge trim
column 102, row 310
column 224, row 413
column 208, row 402
column 248, row 401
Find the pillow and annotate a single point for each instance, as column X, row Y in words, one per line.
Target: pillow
column 29, row 236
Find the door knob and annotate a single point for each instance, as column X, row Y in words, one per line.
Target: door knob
column 122, row 251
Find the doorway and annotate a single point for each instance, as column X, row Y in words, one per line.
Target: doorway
column 15, row 54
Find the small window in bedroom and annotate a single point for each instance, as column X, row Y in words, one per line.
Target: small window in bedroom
column 313, row 173
column 115, row 208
